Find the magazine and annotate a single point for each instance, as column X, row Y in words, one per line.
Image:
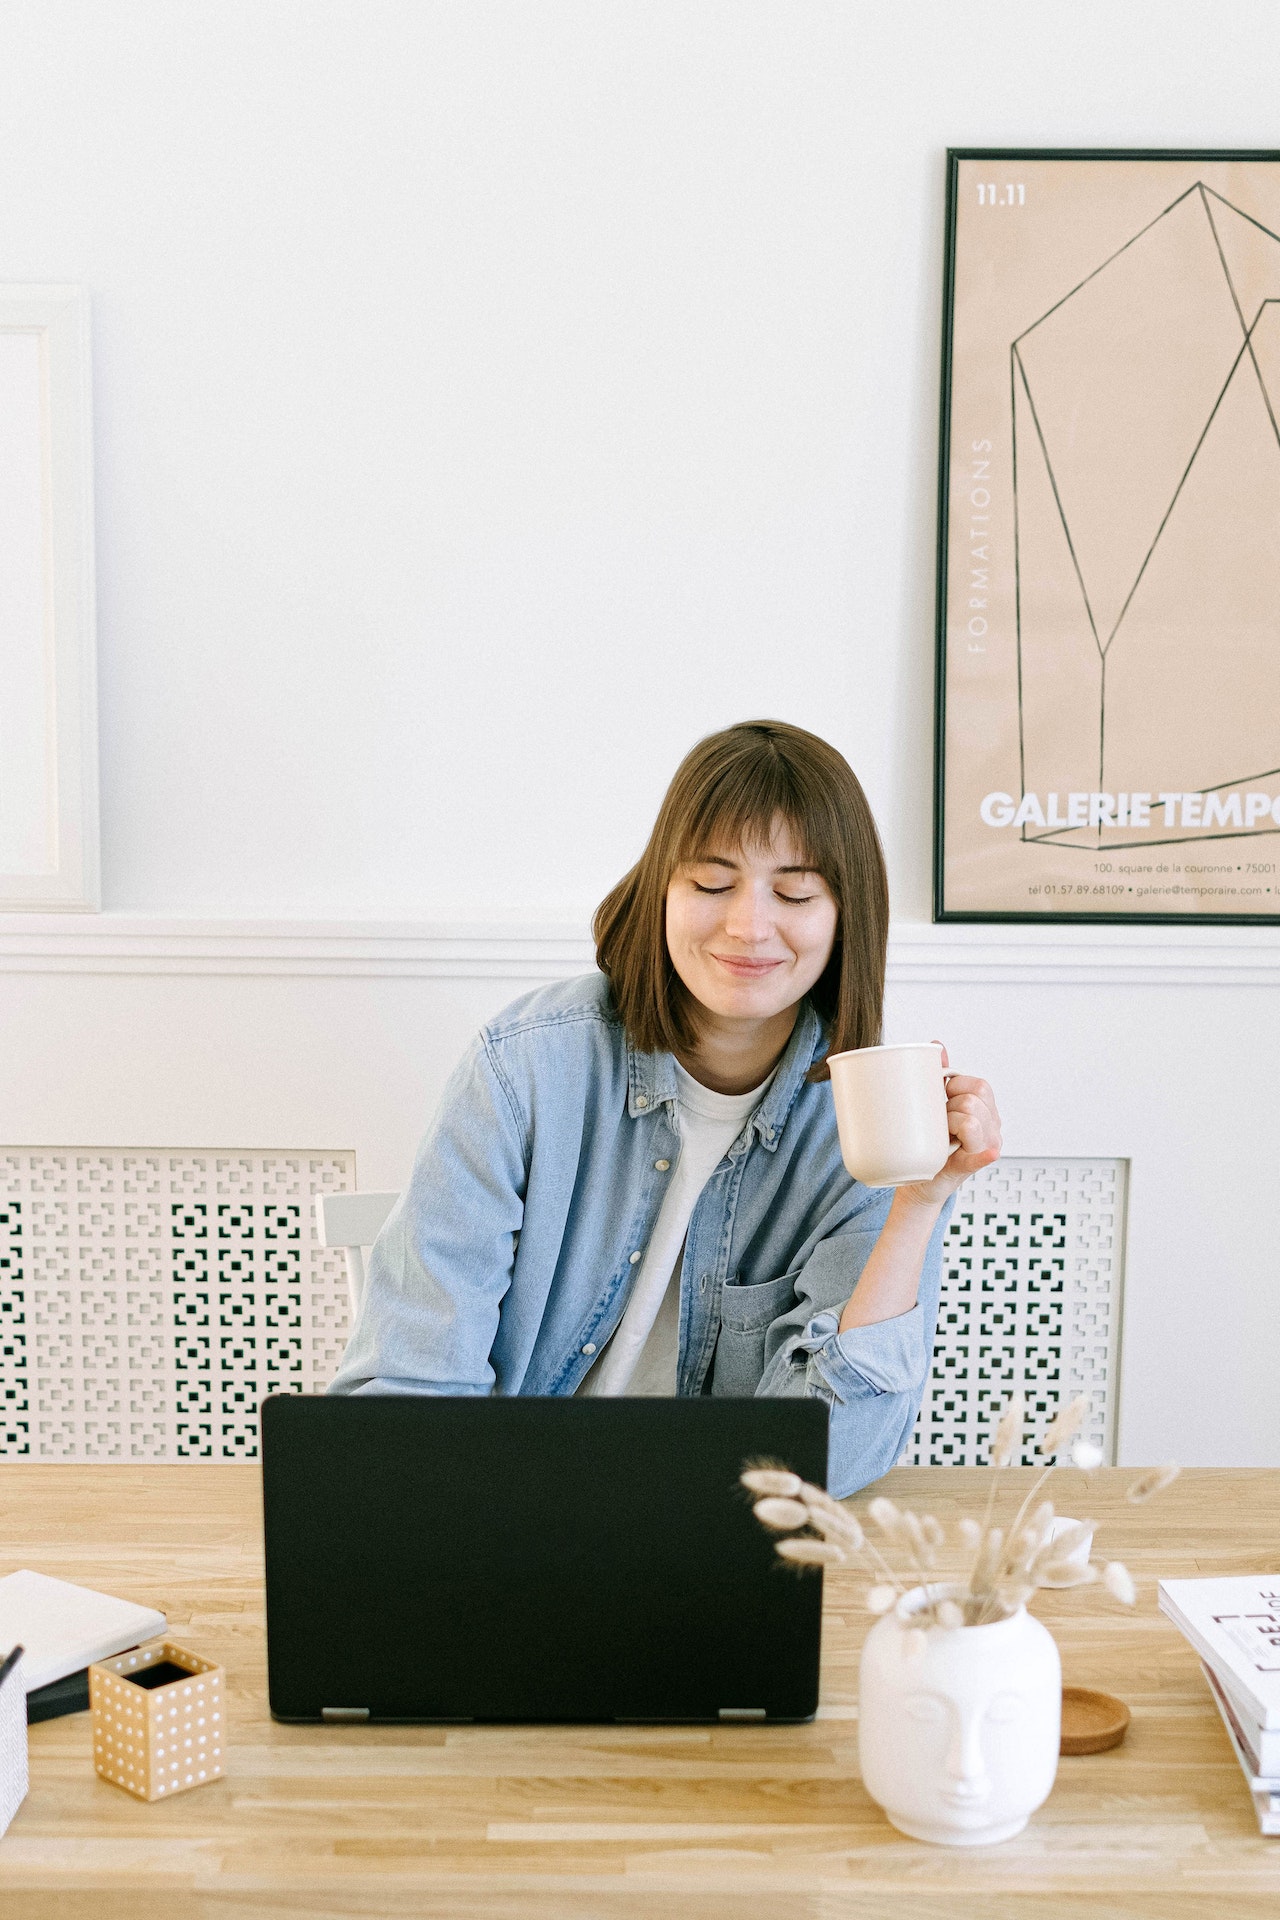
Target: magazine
column 1234, row 1624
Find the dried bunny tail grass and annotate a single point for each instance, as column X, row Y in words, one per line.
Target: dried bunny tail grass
column 831, row 1516
column 950, row 1615
column 916, row 1539
column 1025, row 1508
column 782, row 1515
column 1060, row 1548
column 772, row 1480
column 1021, row 1552
column 1154, row 1480
column 987, row 1562
column 881, row 1598
column 1041, row 1521
column 934, row 1532
column 814, row 1496
column 887, row 1518
column 1029, row 1541
column 803, row 1552
column 1061, row 1573
column 1086, row 1456
column 1009, row 1431
column 837, row 1526
column 1064, row 1426
column 970, row 1532
column 1118, row 1582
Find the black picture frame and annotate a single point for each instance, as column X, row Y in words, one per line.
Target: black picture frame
column 942, row 913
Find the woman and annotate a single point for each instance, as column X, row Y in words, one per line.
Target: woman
column 634, row 1182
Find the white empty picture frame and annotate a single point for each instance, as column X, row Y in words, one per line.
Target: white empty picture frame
column 48, row 682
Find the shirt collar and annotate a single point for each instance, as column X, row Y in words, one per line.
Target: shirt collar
column 651, row 1078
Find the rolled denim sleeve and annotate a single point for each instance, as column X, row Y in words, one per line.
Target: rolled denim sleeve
column 872, row 1377
column 443, row 1262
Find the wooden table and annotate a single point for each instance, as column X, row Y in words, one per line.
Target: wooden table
column 624, row 1823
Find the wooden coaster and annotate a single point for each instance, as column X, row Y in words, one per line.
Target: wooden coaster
column 1091, row 1722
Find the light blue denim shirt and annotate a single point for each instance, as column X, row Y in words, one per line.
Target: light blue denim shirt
column 509, row 1258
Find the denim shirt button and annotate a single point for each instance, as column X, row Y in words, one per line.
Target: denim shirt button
column 642, row 1099
column 590, row 1347
column 662, row 1166
column 634, row 1258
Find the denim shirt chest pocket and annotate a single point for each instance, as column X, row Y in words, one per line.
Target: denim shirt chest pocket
column 746, row 1314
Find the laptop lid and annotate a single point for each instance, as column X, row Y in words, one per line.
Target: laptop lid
column 436, row 1558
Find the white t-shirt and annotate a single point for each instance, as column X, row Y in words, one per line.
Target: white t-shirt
column 643, row 1355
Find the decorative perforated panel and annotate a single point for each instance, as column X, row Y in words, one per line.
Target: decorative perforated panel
column 150, row 1299
column 1032, row 1277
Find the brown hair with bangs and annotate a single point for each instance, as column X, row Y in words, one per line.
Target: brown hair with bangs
column 728, row 793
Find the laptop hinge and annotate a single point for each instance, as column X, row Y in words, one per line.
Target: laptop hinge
column 742, row 1713
column 344, row 1713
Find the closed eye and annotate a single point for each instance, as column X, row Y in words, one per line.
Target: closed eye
column 789, row 899
column 926, row 1707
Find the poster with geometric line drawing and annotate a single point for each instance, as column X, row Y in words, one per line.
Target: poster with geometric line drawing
column 1108, row 714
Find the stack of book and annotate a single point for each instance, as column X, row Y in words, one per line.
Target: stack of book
column 1234, row 1625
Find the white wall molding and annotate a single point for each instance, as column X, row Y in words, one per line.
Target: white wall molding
column 918, row 953
column 1078, row 956
column 127, row 943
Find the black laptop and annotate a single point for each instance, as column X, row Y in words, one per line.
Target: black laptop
column 533, row 1559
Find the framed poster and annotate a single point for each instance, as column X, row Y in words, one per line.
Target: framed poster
column 1108, row 694
column 48, row 703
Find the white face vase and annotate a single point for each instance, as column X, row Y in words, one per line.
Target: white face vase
column 958, row 1728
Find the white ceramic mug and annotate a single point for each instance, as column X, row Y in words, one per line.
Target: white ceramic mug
column 891, row 1109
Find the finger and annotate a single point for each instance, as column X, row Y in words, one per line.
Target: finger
column 975, row 1112
column 962, row 1164
column 975, row 1129
column 969, row 1083
column 967, row 1103
column 966, row 1162
column 979, row 1108
column 979, row 1129
column 945, row 1056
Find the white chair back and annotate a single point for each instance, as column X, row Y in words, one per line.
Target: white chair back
column 353, row 1222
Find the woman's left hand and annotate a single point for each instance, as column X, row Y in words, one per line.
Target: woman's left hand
column 975, row 1132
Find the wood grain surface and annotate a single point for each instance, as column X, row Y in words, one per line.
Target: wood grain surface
column 604, row 1823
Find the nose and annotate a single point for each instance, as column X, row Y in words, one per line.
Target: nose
column 965, row 1766
column 748, row 918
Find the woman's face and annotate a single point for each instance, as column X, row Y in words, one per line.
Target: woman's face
column 750, row 929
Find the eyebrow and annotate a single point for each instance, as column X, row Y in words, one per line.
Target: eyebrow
column 717, row 860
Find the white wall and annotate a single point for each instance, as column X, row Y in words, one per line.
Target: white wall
column 492, row 398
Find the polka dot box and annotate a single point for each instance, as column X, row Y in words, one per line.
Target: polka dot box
column 158, row 1720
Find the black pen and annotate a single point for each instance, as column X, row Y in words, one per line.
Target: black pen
column 10, row 1664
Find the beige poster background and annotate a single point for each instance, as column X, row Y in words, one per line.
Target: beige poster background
column 1112, row 671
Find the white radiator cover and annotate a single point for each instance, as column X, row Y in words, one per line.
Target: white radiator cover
column 150, row 1299
column 1032, row 1285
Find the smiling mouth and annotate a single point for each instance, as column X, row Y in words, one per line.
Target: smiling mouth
column 745, row 969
